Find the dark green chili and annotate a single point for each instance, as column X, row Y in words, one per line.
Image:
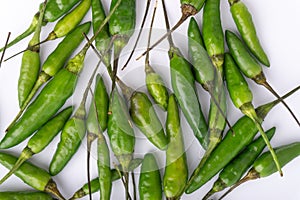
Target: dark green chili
column 232, row 173
column 95, row 185
column 30, row 66
column 25, row 196
column 41, row 139
column 176, row 171
column 249, row 66
column 264, row 166
column 150, row 187
column 55, row 62
column 243, row 20
column 54, row 10
column 32, row 175
column 242, row 97
column 52, row 97
column 245, row 130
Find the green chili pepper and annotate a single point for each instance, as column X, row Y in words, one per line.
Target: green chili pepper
column 145, row 118
column 245, row 130
column 150, row 181
column 30, row 66
column 213, row 33
column 176, row 171
column 95, row 186
column 232, row 173
column 25, row 196
column 241, row 97
column 263, row 166
column 55, row 62
column 54, row 10
column 33, row 176
column 41, row 139
column 250, row 67
column 243, row 20
column 51, row 98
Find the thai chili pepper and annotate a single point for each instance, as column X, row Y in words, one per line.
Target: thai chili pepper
column 30, row 66
column 176, row 170
column 213, row 36
column 249, row 66
column 183, row 84
column 154, row 82
column 263, row 166
column 54, row 10
column 150, row 182
column 188, row 8
column 25, row 196
column 232, row 173
column 243, row 20
column 72, row 134
column 242, row 97
column 95, row 186
column 55, row 62
column 32, row 175
column 41, row 139
column 245, row 130
column 51, row 98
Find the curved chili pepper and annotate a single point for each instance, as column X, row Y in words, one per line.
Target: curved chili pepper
column 233, row 172
column 33, row 176
column 176, row 170
column 245, row 130
column 25, row 196
column 150, row 182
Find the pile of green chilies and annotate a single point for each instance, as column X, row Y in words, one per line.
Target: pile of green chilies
column 112, row 112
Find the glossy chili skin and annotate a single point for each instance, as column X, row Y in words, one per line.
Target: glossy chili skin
column 197, row 4
column 245, row 130
column 145, row 118
column 120, row 130
column 213, row 36
column 70, row 21
column 30, row 66
column 25, row 196
column 233, row 172
column 150, row 186
column 176, row 170
column 243, row 20
column 184, row 89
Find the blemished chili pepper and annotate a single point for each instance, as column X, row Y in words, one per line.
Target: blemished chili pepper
column 249, row 66
column 52, row 97
column 95, row 186
column 54, row 10
column 213, row 35
column 242, row 97
column 154, row 82
column 72, row 133
column 233, row 172
column 32, row 175
column 30, row 66
column 188, row 8
column 245, row 130
column 25, row 196
column 183, row 84
column 264, row 167
column 41, row 139
column 150, row 186
column 54, row 62
column 244, row 23
column 176, row 170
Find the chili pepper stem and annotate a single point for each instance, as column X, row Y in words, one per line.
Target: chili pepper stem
column 248, row 110
column 25, row 155
column 90, row 138
column 52, row 189
column 252, row 175
column 134, row 185
column 5, row 47
column 187, row 11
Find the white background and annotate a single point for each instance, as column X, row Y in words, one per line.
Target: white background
column 277, row 24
